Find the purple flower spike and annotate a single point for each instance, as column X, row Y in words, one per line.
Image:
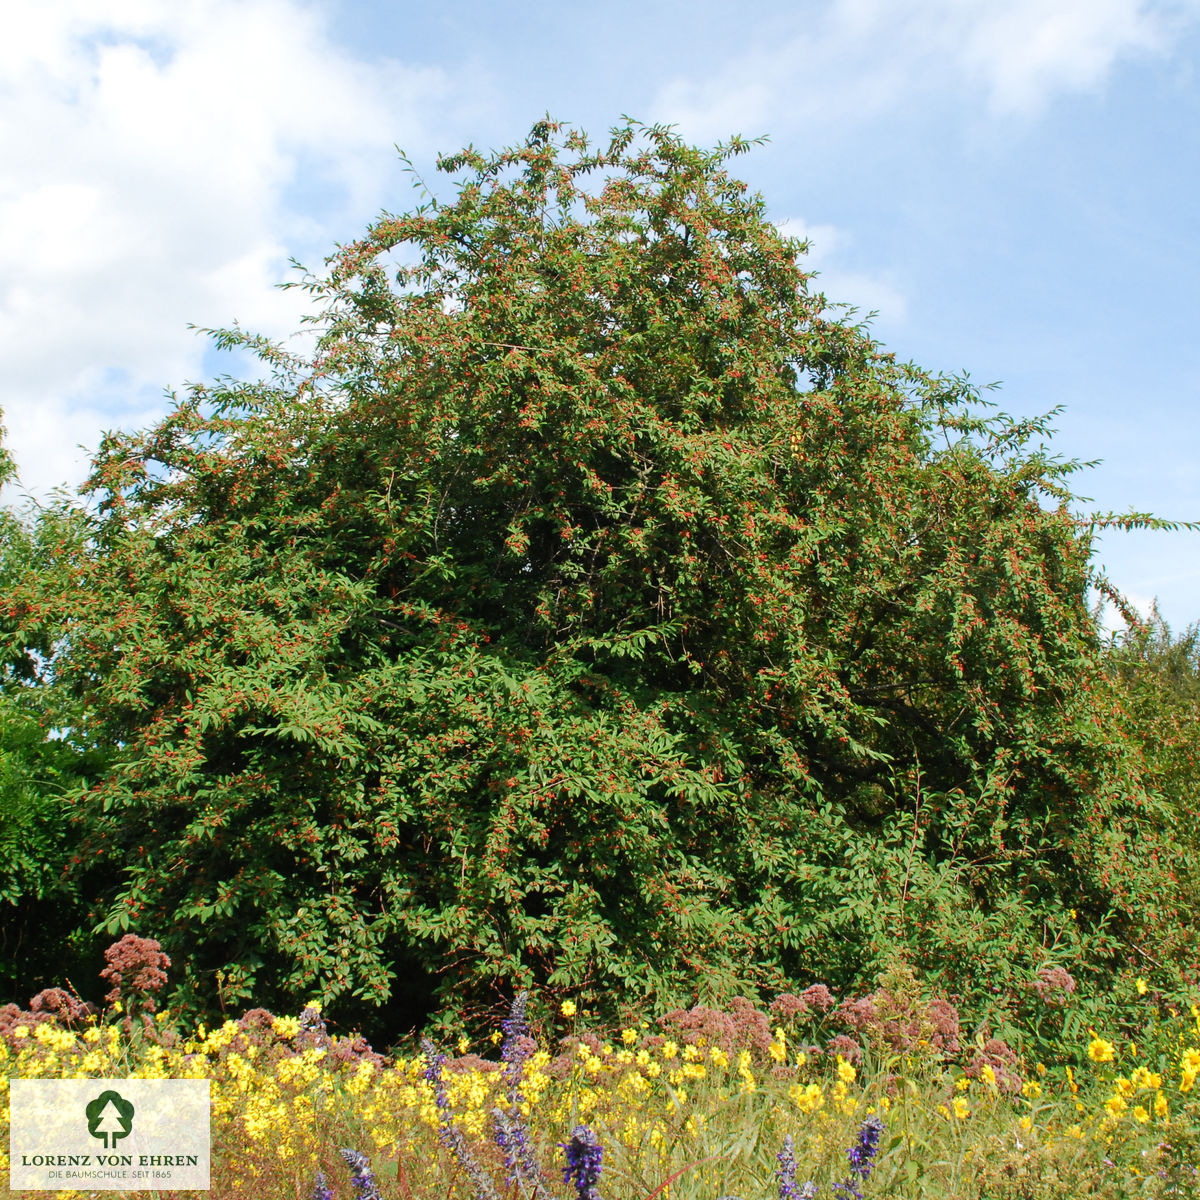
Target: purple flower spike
column 321, row 1189
column 584, row 1153
column 365, row 1187
column 448, row 1133
column 787, row 1174
column 860, row 1155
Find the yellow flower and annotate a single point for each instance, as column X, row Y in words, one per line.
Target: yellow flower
column 463, row 1045
column 962, row 1083
column 1075, row 1131
column 1100, row 1051
column 962, row 1110
column 807, row 1097
column 1041, row 1068
column 1116, row 1105
column 567, row 1008
column 628, row 1036
column 1031, row 1089
column 846, row 1073
column 1074, row 915
column 285, row 1027
column 495, row 1037
column 988, row 1075
column 669, row 1049
column 1160, row 1106
column 1025, row 1123
column 944, row 1111
column 1141, row 1113
column 1191, row 1060
column 1141, row 987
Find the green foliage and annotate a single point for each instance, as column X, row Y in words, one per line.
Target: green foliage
column 596, row 608
column 42, row 761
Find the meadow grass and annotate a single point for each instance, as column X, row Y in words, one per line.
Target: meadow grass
column 695, row 1106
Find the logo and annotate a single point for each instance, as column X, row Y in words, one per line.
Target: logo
column 109, row 1118
column 90, row 1136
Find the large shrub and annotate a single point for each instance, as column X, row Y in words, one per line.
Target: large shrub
column 598, row 608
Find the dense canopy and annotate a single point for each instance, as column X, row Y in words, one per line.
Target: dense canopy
column 595, row 608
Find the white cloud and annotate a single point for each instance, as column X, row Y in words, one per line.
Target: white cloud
column 827, row 253
column 153, row 156
column 1111, row 620
column 862, row 58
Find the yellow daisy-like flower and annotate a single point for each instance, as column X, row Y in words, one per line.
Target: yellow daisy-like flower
column 567, row 1008
column 1141, row 987
column 1100, row 1051
column 846, row 1073
column 962, row 1083
column 669, row 1050
column 1160, row 1106
column 1116, row 1105
column 1141, row 1113
column 962, row 1110
column 943, row 1111
column 807, row 1097
column 629, row 1036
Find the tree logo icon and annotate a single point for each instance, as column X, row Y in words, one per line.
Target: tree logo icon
column 109, row 1117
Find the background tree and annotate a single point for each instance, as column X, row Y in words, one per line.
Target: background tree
column 597, row 608
column 1156, row 674
column 43, row 759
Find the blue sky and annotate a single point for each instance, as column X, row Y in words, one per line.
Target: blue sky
column 1010, row 183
